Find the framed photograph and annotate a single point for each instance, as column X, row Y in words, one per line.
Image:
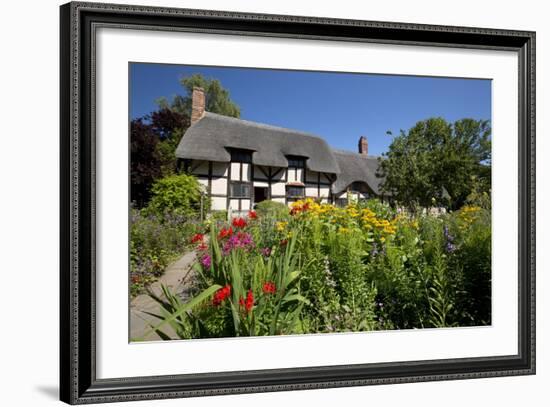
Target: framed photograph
column 254, row 203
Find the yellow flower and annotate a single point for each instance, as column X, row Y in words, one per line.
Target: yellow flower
column 280, row 226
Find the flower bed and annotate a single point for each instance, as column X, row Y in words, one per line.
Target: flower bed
column 329, row 269
column 155, row 241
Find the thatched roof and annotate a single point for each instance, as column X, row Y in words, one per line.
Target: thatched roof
column 212, row 136
column 356, row 168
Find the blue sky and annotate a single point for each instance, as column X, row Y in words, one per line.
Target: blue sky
column 340, row 107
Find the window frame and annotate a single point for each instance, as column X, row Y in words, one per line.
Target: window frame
column 303, row 188
column 240, row 155
column 240, row 183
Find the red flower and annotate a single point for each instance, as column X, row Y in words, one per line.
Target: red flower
column 197, row 238
column 239, row 222
column 249, row 303
column 269, row 287
column 225, row 232
column 252, row 215
column 283, row 242
column 221, row 295
column 202, row 247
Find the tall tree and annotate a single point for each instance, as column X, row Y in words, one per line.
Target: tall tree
column 439, row 163
column 155, row 137
column 218, row 99
column 145, row 161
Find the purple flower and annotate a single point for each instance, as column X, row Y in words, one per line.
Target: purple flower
column 206, row 261
column 449, row 246
column 266, row 251
column 446, row 234
column 374, row 250
column 239, row 240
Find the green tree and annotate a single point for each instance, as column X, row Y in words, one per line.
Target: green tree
column 155, row 137
column 218, row 99
column 145, row 161
column 438, row 163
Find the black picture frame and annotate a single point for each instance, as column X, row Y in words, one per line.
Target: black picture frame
column 78, row 382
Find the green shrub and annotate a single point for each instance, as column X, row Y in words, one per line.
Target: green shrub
column 272, row 209
column 177, row 194
column 155, row 242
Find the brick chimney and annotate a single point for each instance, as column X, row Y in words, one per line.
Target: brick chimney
column 198, row 104
column 363, row 146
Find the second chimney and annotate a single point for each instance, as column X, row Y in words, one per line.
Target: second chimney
column 363, row 146
column 198, row 104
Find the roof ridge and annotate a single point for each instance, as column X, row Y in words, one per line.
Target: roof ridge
column 348, row 152
column 268, row 126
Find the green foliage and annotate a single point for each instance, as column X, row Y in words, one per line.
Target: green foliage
column 180, row 194
column 218, row 99
column 328, row 269
column 436, row 163
column 155, row 241
column 272, row 209
column 145, row 161
column 155, row 137
column 166, row 150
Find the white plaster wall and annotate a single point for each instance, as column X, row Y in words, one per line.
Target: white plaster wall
column 311, row 191
column 203, row 181
column 300, row 174
column 235, row 171
column 291, row 174
column 278, row 188
column 324, row 191
column 246, row 171
column 219, row 186
column 261, row 184
column 218, row 203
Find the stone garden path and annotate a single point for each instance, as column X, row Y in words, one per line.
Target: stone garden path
column 177, row 277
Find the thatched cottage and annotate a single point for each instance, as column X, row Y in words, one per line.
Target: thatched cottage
column 241, row 163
